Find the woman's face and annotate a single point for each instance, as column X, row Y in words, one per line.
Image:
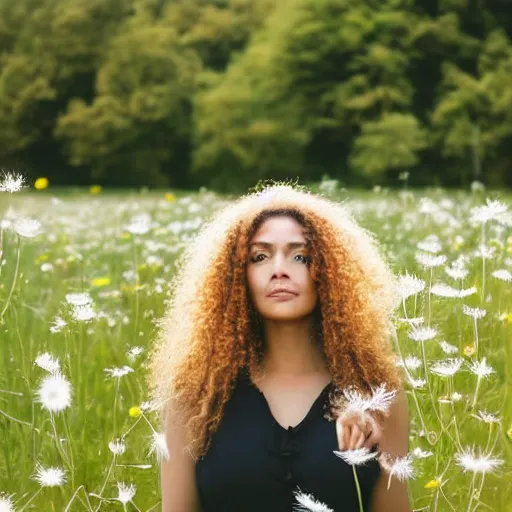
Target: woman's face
column 278, row 258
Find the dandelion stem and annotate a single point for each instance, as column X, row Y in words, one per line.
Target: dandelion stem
column 429, row 293
column 105, row 481
column 359, row 497
column 59, row 446
column 471, row 492
column 476, row 335
column 14, row 279
column 115, row 406
column 476, row 392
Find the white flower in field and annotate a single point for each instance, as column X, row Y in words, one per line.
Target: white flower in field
column 417, row 383
column 27, row 228
column 420, row 454
column 6, row 504
column 456, row 396
column 159, row 446
column 485, row 251
column 58, row 325
column 139, row 225
column 118, row 372
column 430, row 244
column 481, row 368
column 444, row 290
column 307, row 503
column 422, row 334
column 380, row 400
column 125, row 492
column 503, row 275
column 474, row 312
column 117, row 447
column 83, row 313
column 78, row 299
column 49, row 477
column 409, row 285
column 490, row 211
column 457, row 272
column 410, row 362
column 12, row 183
column 46, row 267
column 47, row 362
column 429, row 261
column 448, row 348
column 149, row 405
column 447, row 367
column 476, row 464
column 486, row 417
column 54, row 393
column 359, row 456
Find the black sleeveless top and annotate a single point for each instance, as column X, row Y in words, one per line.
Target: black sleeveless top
column 255, row 464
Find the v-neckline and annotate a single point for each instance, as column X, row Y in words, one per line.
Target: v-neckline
column 290, row 428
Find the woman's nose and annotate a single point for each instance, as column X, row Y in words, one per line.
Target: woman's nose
column 279, row 264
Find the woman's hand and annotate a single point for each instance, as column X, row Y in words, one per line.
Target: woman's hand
column 357, row 430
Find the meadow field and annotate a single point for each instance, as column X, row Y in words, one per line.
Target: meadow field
column 84, row 278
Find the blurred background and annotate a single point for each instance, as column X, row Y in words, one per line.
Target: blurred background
column 223, row 93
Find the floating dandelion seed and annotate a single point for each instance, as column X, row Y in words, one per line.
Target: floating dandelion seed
column 125, row 492
column 27, row 228
column 409, row 285
column 47, row 362
column 57, row 325
column 307, row 503
column 447, row 367
column 159, row 447
column 12, row 183
column 357, row 457
column 49, row 477
column 117, row 447
column 422, row 334
column 118, row 372
column 54, row 393
column 476, row 464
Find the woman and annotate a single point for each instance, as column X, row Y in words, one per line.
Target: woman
column 280, row 303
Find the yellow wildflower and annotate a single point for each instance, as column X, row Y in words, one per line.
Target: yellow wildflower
column 126, row 236
column 42, row 257
column 469, row 350
column 134, row 411
column 169, row 196
column 432, row 484
column 41, row 183
column 101, row 281
column 95, row 189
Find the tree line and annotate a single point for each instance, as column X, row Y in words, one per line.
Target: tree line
column 223, row 93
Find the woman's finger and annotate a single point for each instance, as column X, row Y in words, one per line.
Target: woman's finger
column 360, row 441
column 354, row 437
column 347, row 433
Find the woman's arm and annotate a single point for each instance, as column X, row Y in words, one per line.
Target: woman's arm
column 395, row 441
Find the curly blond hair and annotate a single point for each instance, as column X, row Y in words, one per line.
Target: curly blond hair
column 209, row 333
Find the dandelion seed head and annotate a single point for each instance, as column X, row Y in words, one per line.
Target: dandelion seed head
column 476, row 463
column 12, row 183
column 117, row 447
column 447, row 367
column 27, row 228
column 118, row 372
column 78, row 299
column 357, row 457
column 307, row 503
column 409, row 285
column 422, row 333
column 49, row 477
column 159, row 447
column 125, row 492
column 481, row 368
column 474, row 312
column 54, row 393
column 47, row 362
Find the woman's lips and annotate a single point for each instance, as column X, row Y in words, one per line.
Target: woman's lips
column 283, row 295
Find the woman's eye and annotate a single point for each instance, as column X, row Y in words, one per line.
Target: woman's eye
column 254, row 258
column 306, row 259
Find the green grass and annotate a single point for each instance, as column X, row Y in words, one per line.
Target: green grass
column 85, row 238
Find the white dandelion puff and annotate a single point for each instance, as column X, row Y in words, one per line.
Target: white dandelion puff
column 54, row 393
column 57, row 325
column 27, row 228
column 133, row 352
column 429, row 261
column 474, row 312
column 400, row 467
column 422, row 334
column 417, row 383
column 6, row 504
column 117, row 447
column 307, row 503
column 379, row 400
column 47, row 362
column 457, row 272
column 410, row 362
column 357, row 457
column 490, row 211
column 448, row 348
column 83, row 313
column 444, row 290
column 481, row 368
column 409, row 285
column 78, row 299
column 49, row 477
column 431, row 244
column 125, row 492
column 469, row 461
column 12, row 183
column 456, row 397
column 447, row 367
column 159, row 446
column 118, row 372
column 486, row 417
column 503, row 275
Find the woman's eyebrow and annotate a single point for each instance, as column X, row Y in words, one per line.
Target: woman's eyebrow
column 291, row 245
